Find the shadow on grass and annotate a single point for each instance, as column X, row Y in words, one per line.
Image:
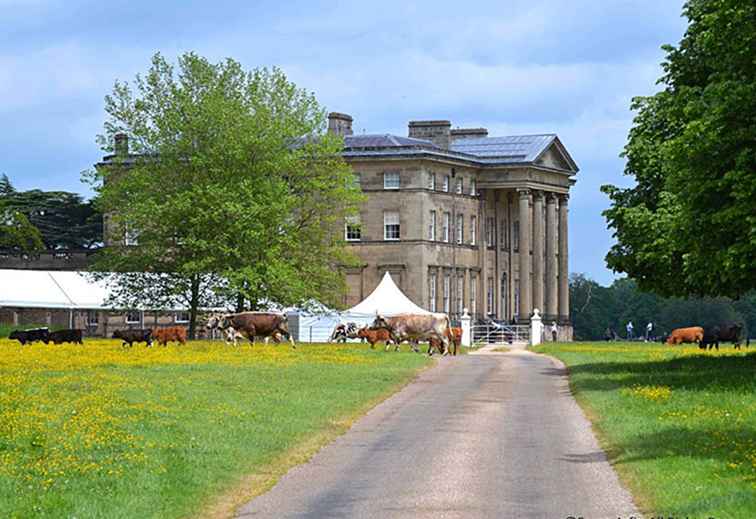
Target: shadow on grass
column 699, row 372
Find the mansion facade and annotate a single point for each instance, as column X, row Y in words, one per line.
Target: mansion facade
column 462, row 220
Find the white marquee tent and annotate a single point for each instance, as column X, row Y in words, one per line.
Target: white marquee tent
column 50, row 289
column 387, row 300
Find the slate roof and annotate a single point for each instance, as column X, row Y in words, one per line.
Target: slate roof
column 513, row 148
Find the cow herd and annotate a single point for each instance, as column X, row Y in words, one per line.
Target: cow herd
column 709, row 337
column 411, row 328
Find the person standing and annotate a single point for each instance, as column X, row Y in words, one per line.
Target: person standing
column 554, row 330
column 649, row 329
column 629, row 329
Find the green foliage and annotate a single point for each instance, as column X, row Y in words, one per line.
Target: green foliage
column 17, row 234
column 64, row 220
column 231, row 178
column 688, row 227
column 594, row 308
column 678, row 424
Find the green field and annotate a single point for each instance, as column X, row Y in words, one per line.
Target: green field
column 678, row 424
column 102, row 431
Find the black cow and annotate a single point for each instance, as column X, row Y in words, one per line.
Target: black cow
column 61, row 336
column 134, row 335
column 727, row 331
column 32, row 335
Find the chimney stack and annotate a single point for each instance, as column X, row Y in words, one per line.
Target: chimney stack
column 339, row 124
column 468, row 133
column 121, row 144
column 436, row 131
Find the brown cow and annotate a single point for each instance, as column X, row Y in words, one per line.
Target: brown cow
column 375, row 335
column 455, row 339
column 682, row 335
column 254, row 324
column 416, row 327
column 172, row 333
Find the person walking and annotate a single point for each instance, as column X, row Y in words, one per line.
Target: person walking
column 649, row 329
column 629, row 329
column 554, row 330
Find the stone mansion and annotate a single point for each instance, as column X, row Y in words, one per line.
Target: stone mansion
column 462, row 220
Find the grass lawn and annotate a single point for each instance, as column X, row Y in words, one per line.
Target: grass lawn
column 679, row 424
column 101, row 431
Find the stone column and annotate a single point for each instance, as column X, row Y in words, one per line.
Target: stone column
column 550, row 312
column 524, row 253
column 483, row 252
column 564, row 286
column 538, row 242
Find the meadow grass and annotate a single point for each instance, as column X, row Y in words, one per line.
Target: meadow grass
column 104, row 431
column 678, row 423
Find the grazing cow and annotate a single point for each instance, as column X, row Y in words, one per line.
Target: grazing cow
column 375, row 335
column 417, row 327
column 130, row 336
column 231, row 335
column 30, row 335
column 254, row 324
column 61, row 336
column 682, row 335
column 342, row 332
column 727, row 331
column 455, row 339
column 172, row 333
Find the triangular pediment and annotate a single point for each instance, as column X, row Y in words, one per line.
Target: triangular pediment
column 555, row 156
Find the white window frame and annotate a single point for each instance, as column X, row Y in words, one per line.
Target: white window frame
column 473, row 295
column 516, row 235
column 460, row 229
column 431, row 181
column 131, row 321
column 353, row 226
column 177, row 317
column 460, row 294
column 473, row 188
column 391, row 218
column 447, row 181
column 490, row 231
column 446, row 295
column 432, row 226
column 446, row 227
column 473, row 230
column 432, row 283
column 460, row 187
column 490, row 297
column 392, row 180
column 93, row 318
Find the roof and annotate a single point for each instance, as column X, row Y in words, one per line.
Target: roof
column 508, row 150
column 515, row 148
column 384, row 141
column 50, row 289
column 387, row 299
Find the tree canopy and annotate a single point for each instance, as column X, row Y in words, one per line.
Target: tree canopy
column 594, row 308
column 688, row 226
column 230, row 176
column 17, row 234
column 64, row 220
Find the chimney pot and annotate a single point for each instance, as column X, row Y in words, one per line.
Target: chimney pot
column 436, row 131
column 339, row 124
column 121, row 144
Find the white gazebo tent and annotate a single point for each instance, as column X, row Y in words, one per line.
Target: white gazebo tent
column 387, row 300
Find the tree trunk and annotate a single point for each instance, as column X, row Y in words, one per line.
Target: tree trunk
column 193, row 306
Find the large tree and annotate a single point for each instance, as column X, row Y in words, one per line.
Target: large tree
column 688, row 226
column 230, row 176
column 17, row 234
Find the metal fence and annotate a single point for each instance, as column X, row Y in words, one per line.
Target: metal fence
column 497, row 332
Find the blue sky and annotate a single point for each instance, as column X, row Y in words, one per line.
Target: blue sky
column 512, row 66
